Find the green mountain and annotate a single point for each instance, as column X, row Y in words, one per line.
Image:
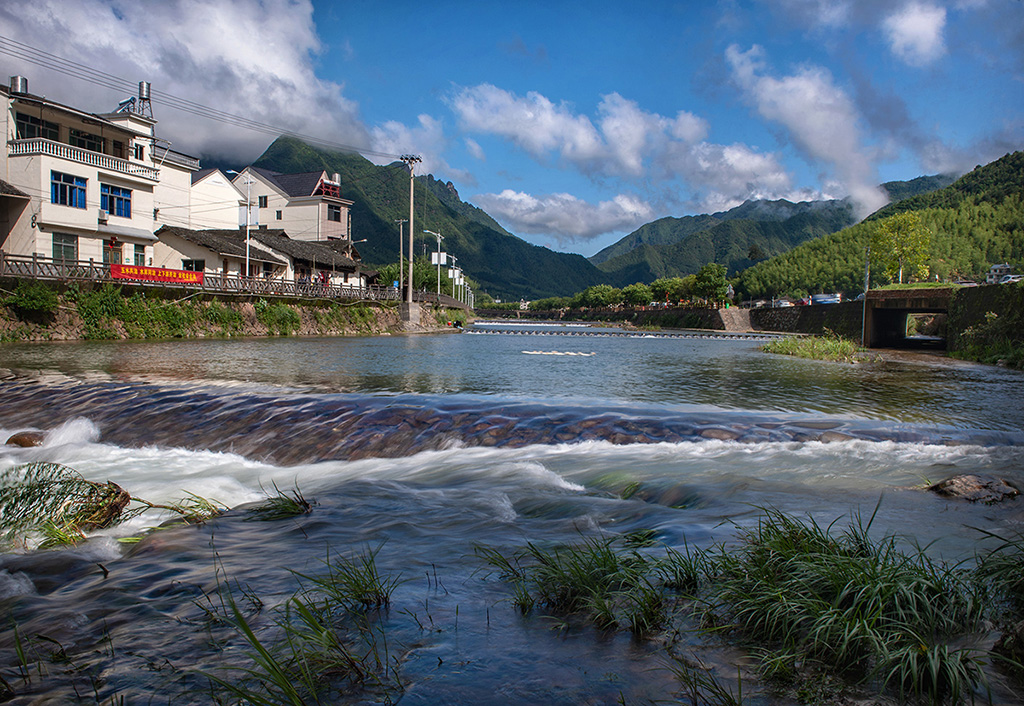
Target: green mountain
column 736, row 238
column 502, row 265
column 976, row 221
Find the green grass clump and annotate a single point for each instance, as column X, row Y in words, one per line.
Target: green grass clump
column 828, row 347
column 594, row 579
column 859, row 608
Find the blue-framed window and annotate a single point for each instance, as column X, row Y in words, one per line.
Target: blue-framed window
column 67, row 189
column 116, row 201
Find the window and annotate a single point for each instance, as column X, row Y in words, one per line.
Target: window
column 65, row 246
column 140, row 151
column 111, row 252
column 116, row 201
column 193, row 265
column 334, row 212
column 263, row 201
column 117, row 149
column 67, row 190
column 29, row 126
column 140, row 255
column 85, row 140
column 278, row 215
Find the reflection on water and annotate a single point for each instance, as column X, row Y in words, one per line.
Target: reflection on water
column 720, row 374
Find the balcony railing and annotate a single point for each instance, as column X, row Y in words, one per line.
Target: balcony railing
column 46, row 268
column 42, row 146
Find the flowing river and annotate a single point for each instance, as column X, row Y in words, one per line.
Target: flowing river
column 423, row 448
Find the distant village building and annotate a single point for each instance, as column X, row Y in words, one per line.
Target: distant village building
column 308, row 205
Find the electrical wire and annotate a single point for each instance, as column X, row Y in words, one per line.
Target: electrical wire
column 82, row 72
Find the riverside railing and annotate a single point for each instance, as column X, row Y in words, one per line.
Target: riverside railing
column 44, row 268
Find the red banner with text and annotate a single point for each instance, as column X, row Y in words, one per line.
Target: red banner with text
column 155, row 274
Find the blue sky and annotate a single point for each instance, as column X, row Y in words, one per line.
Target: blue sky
column 573, row 123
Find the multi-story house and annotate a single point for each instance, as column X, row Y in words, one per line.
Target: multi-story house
column 91, row 187
column 307, row 206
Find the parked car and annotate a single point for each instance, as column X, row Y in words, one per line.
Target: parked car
column 826, row 298
column 780, row 303
column 1010, row 279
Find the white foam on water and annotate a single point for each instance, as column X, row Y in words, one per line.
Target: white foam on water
column 16, row 584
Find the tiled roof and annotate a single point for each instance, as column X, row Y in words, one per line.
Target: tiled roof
column 222, row 242
column 294, row 185
column 202, row 174
column 321, row 252
column 11, row 190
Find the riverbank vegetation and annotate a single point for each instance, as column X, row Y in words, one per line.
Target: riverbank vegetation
column 829, row 346
column 41, row 311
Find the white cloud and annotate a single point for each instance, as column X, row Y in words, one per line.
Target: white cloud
column 564, row 216
column 821, row 119
column 252, row 58
column 915, row 33
column 623, row 142
column 475, row 150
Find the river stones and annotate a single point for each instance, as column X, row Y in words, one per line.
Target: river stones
column 720, row 434
column 26, row 439
column 975, row 488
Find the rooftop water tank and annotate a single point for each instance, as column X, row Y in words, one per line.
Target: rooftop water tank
column 19, row 84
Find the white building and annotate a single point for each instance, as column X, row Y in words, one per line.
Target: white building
column 216, row 203
column 308, row 205
column 88, row 186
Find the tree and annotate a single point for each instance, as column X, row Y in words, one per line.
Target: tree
column 901, row 244
column 711, row 283
column 601, row 295
column 637, row 294
column 671, row 289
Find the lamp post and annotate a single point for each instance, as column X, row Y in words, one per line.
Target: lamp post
column 248, row 206
column 439, row 239
column 401, row 254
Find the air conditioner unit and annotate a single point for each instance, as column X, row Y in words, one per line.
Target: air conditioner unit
column 103, row 216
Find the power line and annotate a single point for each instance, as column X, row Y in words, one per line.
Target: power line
column 85, row 73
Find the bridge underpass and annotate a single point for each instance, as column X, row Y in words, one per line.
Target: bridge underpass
column 886, row 313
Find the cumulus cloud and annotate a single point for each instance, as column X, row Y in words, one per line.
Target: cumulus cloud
column 426, row 139
column 624, row 142
column 564, row 216
column 821, row 119
column 915, row 33
column 252, row 58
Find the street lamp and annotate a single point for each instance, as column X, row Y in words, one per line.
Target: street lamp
column 439, row 239
column 401, row 255
column 248, row 206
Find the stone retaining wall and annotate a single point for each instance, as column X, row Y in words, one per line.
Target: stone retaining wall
column 844, row 319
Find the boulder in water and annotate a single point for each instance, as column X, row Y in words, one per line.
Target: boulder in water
column 26, row 439
column 975, row 488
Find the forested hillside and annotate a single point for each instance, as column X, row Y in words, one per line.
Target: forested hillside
column 500, row 264
column 975, row 222
column 736, row 243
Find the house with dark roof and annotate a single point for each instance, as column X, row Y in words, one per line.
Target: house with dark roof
column 334, row 261
column 216, row 252
column 308, row 205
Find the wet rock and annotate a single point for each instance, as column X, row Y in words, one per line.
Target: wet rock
column 26, row 439
column 831, row 436
column 721, row 434
column 975, row 488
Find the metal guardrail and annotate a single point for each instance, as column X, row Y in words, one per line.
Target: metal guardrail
column 45, row 268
